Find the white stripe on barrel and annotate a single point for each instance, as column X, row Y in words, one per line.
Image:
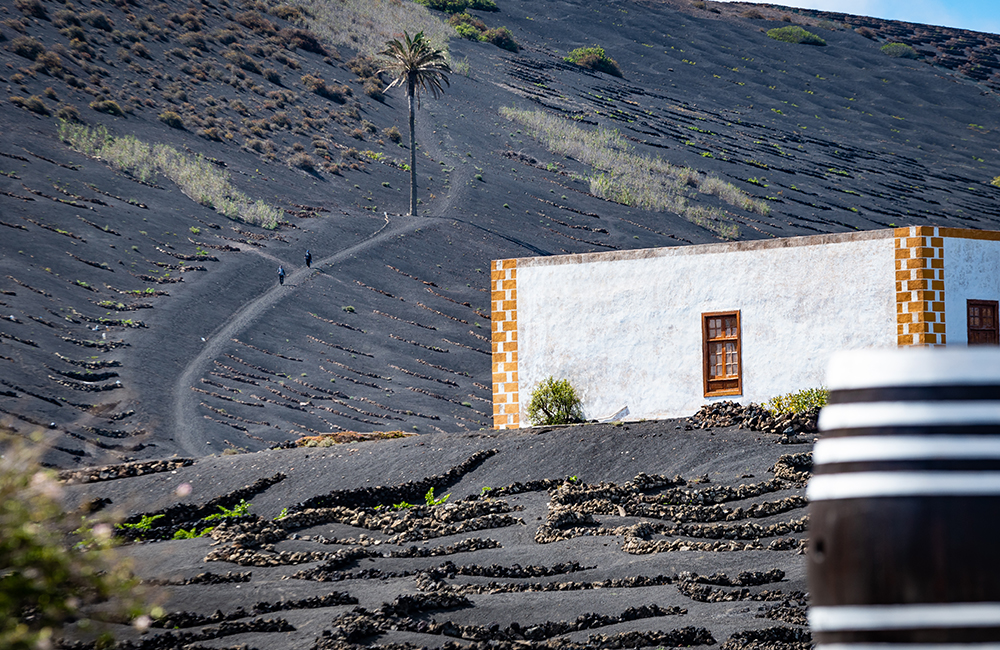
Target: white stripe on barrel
column 859, row 485
column 878, row 368
column 903, row 617
column 859, row 449
column 903, row 414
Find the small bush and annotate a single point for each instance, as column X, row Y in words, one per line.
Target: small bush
column 31, row 8
column 48, row 572
column 554, row 401
column 256, row 22
column 172, row 119
column 995, row 182
column 595, row 59
column 226, row 36
column 374, row 88
column 468, row 26
column 285, row 12
column 867, row 32
column 108, row 106
column 69, row 113
column 335, row 93
column 456, row 6
column 392, row 133
column 798, row 402
column 272, row 75
column 242, row 60
column 27, row 47
column 302, row 39
column 33, row 104
column 469, row 32
column 752, row 14
column 302, row 161
column 795, row 34
column 502, row 38
column 899, row 51
column 96, row 18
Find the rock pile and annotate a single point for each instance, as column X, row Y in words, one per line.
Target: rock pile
column 125, row 470
column 753, row 417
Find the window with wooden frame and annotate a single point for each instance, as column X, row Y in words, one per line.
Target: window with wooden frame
column 723, row 365
column 982, row 319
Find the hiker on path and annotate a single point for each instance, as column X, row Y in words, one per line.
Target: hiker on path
column 281, row 275
column 309, row 258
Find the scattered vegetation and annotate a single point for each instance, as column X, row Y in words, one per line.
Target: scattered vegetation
column 632, row 179
column 595, row 59
column 899, row 50
column 365, row 25
column 344, row 437
column 502, row 38
column 554, row 401
column 197, row 177
column 455, row 6
column 172, row 119
column 47, row 572
column 795, row 34
column 108, row 106
column 798, row 402
column 33, row 104
column 431, row 501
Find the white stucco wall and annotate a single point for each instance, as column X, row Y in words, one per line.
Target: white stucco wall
column 971, row 271
column 625, row 327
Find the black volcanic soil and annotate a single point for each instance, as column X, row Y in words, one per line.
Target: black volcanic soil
column 389, row 330
column 573, row 543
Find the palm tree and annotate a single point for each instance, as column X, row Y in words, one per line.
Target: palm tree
column 417, row 66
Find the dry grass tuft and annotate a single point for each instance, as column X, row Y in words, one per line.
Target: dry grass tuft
column 197, row 177
column 366, row 25
column 626, row 177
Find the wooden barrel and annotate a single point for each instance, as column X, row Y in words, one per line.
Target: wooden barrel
column 904, row 524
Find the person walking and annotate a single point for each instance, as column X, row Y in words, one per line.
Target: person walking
column 281, row 275
column 309, row 259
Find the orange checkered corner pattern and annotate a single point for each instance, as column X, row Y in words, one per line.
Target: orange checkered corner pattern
column 919, row 286
column 506, row 405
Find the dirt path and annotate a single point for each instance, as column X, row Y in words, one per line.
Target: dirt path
column 185, row 402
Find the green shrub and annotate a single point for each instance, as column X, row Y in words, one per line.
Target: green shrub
column 899, row 51
column 795, row 34
column 595, row 59
column 172, row 119
column 995, row 182
column 798, row 402
column 469, row 32
column 33, row 104
column 554, row 401
column 47, row 572
column 502, row 38
column 455, row 6
column 465, row 18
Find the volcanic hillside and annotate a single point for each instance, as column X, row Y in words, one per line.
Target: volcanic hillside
column 160, row 161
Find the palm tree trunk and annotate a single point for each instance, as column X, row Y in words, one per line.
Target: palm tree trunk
column 413, row 149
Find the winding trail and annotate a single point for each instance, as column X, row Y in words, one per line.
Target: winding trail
column 184, row 412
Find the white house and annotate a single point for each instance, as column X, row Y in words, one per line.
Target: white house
column 662, row 331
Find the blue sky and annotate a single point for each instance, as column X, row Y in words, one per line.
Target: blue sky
column 978, row 15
